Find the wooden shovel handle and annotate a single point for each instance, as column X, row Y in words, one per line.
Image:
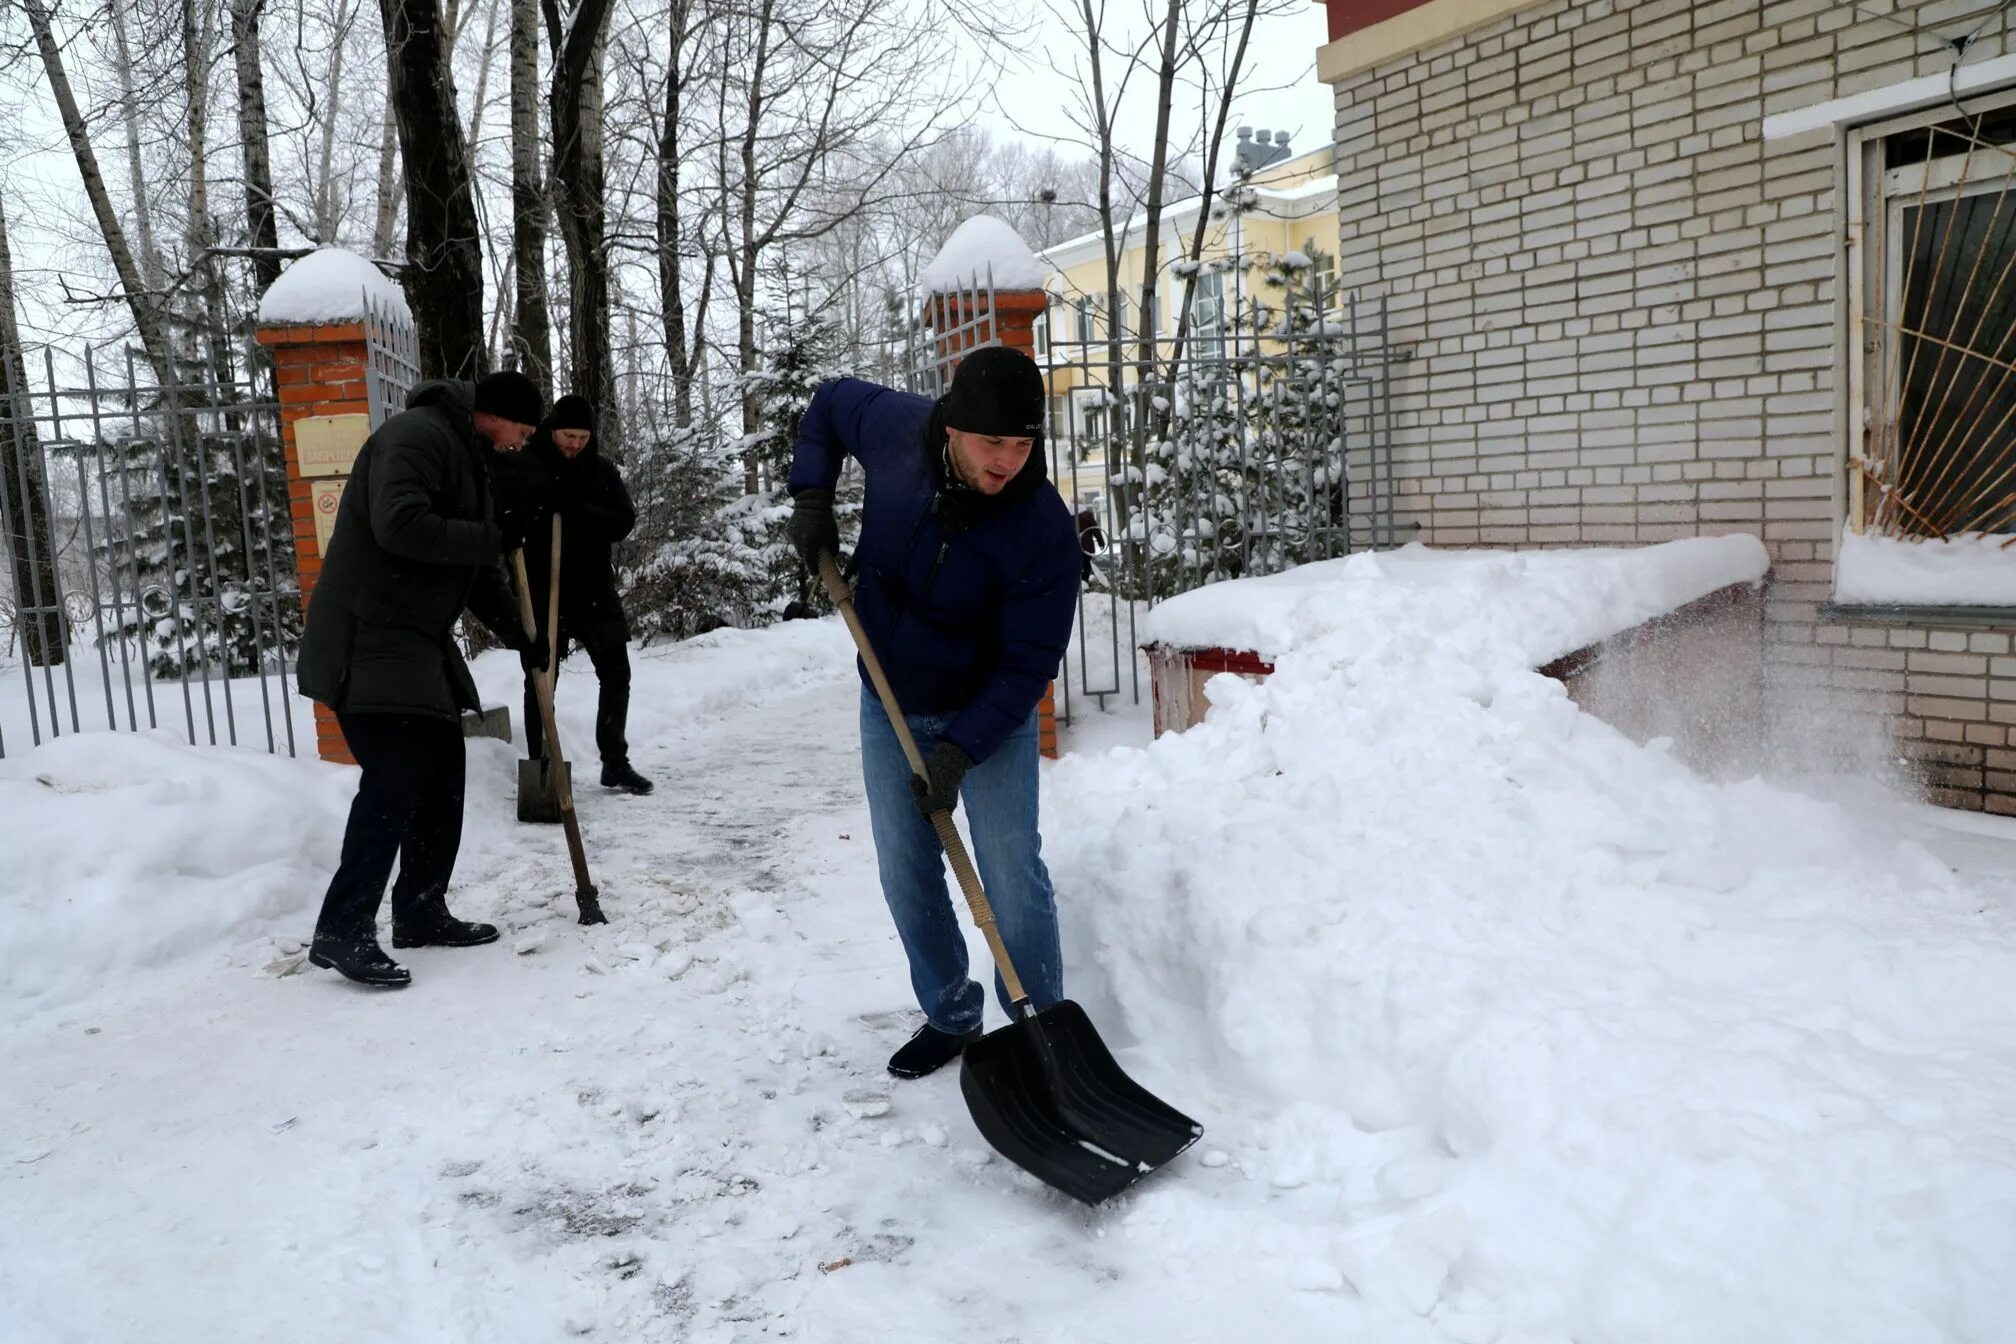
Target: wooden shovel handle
column 941, row 822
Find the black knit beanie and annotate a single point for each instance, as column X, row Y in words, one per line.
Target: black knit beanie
column 510, row 395
column 572, row 412
column 996, row 391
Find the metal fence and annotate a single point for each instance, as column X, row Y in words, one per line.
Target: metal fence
column 1257, row 439
column 950, row 326
column 148, row 544
column 391, row 360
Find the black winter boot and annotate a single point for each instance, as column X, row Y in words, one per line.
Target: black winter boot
column 444, row 931
column 619, row 775
column 929, row 1051
column 364, row 962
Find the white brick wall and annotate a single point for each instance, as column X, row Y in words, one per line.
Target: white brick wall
column 1620, row 304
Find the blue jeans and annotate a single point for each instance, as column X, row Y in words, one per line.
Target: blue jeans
column 998, row 797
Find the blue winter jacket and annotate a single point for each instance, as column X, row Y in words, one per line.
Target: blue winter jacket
column 973, row 621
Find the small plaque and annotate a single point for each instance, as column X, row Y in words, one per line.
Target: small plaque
column 328, row 444
column 324, row 496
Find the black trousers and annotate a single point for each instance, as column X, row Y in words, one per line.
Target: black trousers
column 608, row 647
column 408, row 807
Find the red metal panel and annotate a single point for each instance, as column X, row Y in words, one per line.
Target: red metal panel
column 1348, row 16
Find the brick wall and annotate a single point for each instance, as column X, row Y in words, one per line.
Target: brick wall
column 319, row 370
column 1619, row 303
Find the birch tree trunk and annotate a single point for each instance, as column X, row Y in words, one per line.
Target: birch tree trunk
column 575, row 106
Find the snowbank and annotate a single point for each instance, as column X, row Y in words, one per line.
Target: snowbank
column 1966, row 571
column 1532, row 1033
column 329, row 285
column 1537, row 605
column 983, row 245
column 129, row 850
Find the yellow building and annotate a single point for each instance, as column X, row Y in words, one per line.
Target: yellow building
column 1290, row 207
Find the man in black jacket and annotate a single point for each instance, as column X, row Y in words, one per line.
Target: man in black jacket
column 413, row 545
column 587, row 491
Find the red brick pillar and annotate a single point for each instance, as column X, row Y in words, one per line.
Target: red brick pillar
column 1015, row 314
column 324, row 419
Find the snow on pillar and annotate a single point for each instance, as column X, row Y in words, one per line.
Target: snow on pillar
column 312, row 322
column 985, row 253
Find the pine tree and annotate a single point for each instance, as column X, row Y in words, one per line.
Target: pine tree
column 208, row 536
column 1252, row 465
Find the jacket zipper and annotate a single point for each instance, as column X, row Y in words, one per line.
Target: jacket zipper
column 931, row 580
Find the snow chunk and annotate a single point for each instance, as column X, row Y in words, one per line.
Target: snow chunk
column 1966, row 571
column 160, row 851
column 329, row 285
column 981, row 243
column 1537, row 604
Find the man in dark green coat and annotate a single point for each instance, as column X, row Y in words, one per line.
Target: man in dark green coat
column 415, row 543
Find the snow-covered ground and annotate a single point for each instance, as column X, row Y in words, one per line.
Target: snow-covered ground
column 1503, row 1028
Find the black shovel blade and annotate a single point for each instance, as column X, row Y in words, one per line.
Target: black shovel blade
column 538, row 793
column 1049, row 1097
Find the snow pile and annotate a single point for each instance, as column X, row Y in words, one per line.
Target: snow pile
column 130, row 850
column 1527, row 1032
column 1538, row 605
column 329, row 285
column 1965, row 571
column 981, row 247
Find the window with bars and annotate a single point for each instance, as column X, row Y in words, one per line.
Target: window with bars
column 1933, row 375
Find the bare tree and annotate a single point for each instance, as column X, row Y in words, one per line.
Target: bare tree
column 531, row 340
column 152, row 271
column 820, row 100
column 575, row 106
column 31, row 549
column 444, row 246
column 683, row 351
column 199, row 50
column 261, row 225
column 140, row 300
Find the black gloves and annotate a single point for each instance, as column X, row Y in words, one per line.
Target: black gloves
column 948, row 765
column 534, row 656
column 813, row 529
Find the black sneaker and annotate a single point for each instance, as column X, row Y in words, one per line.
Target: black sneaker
column 929, row 1051
column 445, row 932
column 619, row 775
column 364, row 962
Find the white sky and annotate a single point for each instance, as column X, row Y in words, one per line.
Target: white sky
column 1285, row 93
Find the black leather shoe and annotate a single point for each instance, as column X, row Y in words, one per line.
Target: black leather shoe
column 448, row 932
column 621, row 776
column 366, row 963
column 929, row 1051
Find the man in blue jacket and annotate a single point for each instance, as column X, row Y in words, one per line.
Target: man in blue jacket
column 969, row 570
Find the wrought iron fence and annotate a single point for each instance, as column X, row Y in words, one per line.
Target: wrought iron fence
column 391, row 360
column 149, row 552
column 1258, row 440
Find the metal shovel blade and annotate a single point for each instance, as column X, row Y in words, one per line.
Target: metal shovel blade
column 538, row 792
column 1049, row 1097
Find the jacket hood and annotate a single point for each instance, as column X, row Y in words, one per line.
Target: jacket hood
column 453, row 393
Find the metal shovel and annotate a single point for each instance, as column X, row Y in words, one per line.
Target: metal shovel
column 1044, row 1090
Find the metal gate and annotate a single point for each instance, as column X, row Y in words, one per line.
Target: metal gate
column 1256, row 438
column 149, row 571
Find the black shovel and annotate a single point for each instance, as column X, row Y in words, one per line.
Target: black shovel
column 1044, row 1090
column 550, row 771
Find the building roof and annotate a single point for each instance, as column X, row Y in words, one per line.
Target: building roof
column 1310, row 197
